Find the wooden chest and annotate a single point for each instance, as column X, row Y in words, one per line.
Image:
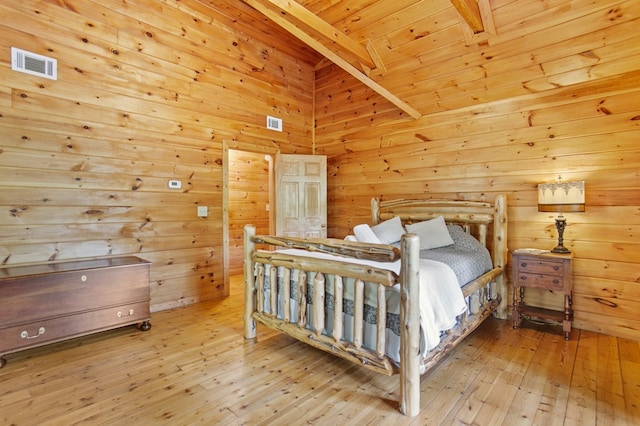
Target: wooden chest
column 42, row 304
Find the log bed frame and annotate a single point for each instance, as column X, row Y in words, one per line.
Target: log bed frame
column 485, row 295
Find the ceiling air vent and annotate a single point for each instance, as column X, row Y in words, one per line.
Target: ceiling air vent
column 34, row 64
column 274, row 123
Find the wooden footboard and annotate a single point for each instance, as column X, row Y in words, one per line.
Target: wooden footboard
column 270, row 266
column 263, row 269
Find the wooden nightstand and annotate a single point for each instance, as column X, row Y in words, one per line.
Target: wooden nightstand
column 547, row 271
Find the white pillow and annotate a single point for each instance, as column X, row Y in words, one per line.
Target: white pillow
column 364, row 234
column 433, row 233
column 351, row 238
column 390, row 231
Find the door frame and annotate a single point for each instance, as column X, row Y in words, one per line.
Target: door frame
column 256, row 149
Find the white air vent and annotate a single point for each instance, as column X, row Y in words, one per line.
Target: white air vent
column 274, row 123
column 34, row 64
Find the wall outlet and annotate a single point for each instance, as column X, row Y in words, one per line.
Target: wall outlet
column 175, row 184
column 203, row 211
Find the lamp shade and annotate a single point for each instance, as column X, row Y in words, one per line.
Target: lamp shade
column 561, row 197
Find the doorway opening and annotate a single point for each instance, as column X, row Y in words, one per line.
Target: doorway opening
column 248, row 191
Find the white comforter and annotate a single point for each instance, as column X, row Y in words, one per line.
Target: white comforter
column 441, row 299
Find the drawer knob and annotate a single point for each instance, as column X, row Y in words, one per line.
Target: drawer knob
column 556, row 281
column 25, row 334
column 523, row 278
column 128, row 314
column 83, row 278
column 556, row 268
column 523, row 264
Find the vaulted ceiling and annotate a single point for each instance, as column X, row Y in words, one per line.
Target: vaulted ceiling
column 365, row 38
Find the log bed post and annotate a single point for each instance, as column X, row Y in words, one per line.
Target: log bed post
column 249, row 293
column 410, row 325
column 375, row 211
column 501, row 251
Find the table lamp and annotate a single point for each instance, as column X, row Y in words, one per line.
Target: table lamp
column 561, row 197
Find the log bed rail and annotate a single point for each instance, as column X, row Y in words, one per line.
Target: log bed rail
column 484, row 296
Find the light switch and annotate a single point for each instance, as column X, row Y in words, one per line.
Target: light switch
column 203, row 211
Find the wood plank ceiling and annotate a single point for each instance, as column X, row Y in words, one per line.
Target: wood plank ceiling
column 351, row 34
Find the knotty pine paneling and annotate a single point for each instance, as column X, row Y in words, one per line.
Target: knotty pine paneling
column 554, row 92
column 146, row 93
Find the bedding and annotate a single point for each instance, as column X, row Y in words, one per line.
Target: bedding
column 461, row 252
column 440, row 303
column 433, row 233
column 365, row 234
column 390, row 231
column 467, row 257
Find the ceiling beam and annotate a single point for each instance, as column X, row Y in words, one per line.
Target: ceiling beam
column 273, row 10
column 470, row 12
column 308, row 22
column 471, row 37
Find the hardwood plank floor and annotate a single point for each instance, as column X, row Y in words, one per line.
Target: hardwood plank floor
column 194, row 367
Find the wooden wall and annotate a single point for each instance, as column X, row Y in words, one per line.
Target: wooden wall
column 555, row 92
column 146, row 93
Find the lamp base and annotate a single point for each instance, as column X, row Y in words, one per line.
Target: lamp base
column 561, row 222
column 560, row 249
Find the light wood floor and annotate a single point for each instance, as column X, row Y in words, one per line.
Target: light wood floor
column 194, row 367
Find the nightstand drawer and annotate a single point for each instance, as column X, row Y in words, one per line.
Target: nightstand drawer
column 549, row 282
column 538, row 266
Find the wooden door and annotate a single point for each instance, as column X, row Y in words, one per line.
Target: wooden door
column 301, row 195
